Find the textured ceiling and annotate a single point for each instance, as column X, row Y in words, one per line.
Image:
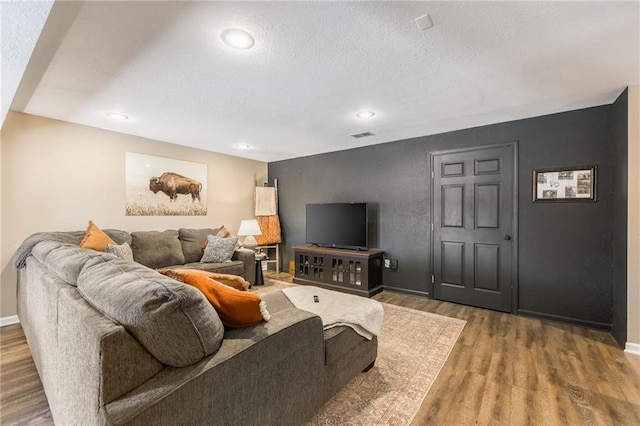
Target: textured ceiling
column 20, row 27
column 315, row 64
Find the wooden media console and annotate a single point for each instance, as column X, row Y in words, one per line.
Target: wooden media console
column 350, row 271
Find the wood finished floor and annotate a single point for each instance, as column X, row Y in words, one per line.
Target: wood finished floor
column 510, row 370
column 504, row 370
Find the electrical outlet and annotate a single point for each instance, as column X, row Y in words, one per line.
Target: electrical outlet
column 387, row 263
column 393, row 263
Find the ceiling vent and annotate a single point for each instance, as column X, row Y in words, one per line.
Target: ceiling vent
column 424, row 22
column 362, row 135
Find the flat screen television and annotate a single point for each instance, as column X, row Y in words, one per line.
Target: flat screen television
column 340, row 225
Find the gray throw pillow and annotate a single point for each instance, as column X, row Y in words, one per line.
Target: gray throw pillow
column 218, row 249
column 123, row 251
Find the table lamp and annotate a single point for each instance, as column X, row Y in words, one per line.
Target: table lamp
column 249, row 228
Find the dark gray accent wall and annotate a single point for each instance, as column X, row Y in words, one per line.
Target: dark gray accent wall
column 620, row 194
column 565, row 249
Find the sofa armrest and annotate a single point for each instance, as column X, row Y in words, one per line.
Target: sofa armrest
column 248, row 258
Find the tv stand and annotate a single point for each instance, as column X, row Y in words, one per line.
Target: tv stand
column 350, row 271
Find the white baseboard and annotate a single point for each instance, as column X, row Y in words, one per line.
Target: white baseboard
column 9, row 320
column 632, row 348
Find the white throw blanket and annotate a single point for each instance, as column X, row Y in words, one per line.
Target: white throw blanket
column 335, row 308
column 265, row 201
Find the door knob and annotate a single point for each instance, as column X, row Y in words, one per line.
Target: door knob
column 507, row 237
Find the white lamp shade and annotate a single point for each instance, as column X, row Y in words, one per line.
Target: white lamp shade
column 249, row 227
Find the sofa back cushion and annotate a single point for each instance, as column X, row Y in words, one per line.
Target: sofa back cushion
column 192, row 241
column 157, row 249
column 171, row 320
column 66, row 260
column 120, row 237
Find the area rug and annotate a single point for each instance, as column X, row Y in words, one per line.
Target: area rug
column 412, row 348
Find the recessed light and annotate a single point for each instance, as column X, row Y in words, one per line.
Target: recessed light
column 238, row 39
column 365, row 114
column 117, row 116
column 242, row 146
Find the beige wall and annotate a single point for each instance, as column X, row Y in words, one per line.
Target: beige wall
column 633, row 229
column 1, row 209
column 56, row 176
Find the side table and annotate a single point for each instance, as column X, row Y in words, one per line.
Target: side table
column 259, row 277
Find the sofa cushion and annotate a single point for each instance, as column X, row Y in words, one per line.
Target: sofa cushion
column 157, row 249
column 68, row 237
column 339, row 342
column 219, row 249
column 95, row 238
column 66, row 260
column 171, row 320
column 120, row 237
column 236, row 308
column 195, row 240
column 233, row 281
column 277, row 302
column 235, row 267
column 192, row 241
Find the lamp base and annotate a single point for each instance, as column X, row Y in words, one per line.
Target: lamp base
column 250, row 242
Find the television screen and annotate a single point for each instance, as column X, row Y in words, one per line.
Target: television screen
column 340, row 225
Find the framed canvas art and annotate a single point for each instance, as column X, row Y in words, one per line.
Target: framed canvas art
column 159, row 186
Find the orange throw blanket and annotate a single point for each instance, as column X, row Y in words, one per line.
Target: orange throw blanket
column 270, row 227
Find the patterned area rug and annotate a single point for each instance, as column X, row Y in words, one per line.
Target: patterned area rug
column 412, row 348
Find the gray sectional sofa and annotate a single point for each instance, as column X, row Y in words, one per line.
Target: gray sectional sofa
column 117, row 343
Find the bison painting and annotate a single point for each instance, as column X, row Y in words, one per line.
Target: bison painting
column 170, row 179
column 173, row 184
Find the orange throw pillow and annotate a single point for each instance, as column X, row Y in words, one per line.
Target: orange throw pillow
column 96, row 239
column 221, row 232
column 235, row 308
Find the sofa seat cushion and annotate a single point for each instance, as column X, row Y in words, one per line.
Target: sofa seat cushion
column 339, row 342
column 277, row 302
column 171, row 320
column 233, row 281
column 157, row 249
column 235, row 267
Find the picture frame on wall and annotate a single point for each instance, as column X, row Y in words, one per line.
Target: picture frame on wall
column 565, row 184
column 159, row 186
